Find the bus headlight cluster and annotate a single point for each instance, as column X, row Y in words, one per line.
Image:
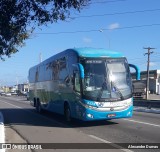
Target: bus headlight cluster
column 88, row 106
column 90, row 115
column 91, row 107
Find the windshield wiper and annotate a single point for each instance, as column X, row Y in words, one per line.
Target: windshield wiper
column 104, row 87
column 113, row 85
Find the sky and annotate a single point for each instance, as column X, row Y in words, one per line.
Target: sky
column 126, row 26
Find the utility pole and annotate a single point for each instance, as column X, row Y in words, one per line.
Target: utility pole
column 148, row 63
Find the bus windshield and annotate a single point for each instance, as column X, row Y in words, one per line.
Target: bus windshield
column 106, row 79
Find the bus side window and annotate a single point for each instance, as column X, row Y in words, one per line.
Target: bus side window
column 76, row 82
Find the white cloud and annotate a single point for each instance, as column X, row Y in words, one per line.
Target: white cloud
column 114, row 26
column 87, row 40
column 152, row 64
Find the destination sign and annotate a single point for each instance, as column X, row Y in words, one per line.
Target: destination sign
column 94, row 61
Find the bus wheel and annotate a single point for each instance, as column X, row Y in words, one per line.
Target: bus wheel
column 67, row 113
column 34, row 103
column 38, row 107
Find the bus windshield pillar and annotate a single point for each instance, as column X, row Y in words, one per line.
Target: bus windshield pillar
column 80, row 68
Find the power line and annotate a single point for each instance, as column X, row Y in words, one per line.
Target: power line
column 156, row 57
column 155, row 61
column 136, row 59
column 142, row 58
column 137, row 62
column 109, row 1
column 117, row 13
column 104, row 29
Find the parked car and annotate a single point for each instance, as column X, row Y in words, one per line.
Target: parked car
column 14, row 93
column 2, row 93
column 8, row 94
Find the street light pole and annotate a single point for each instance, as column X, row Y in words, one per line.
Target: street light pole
column 40, row 57
column 109, row 43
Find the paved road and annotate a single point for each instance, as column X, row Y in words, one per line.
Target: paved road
column 31, row 127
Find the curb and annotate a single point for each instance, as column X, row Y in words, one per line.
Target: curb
column 147, row 103
column 2, row 132
column 147, row 110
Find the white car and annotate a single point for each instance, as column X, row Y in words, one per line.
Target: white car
column 8, row 94
column 14, row 93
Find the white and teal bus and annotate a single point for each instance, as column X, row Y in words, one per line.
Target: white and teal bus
column 83, row 83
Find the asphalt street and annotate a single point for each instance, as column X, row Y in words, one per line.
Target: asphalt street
column 21, row 118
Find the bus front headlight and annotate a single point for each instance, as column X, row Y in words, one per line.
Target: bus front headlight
column 90, row 115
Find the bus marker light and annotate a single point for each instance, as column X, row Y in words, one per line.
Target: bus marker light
column 128, row 113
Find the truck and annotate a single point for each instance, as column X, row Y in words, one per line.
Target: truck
column 139, row 88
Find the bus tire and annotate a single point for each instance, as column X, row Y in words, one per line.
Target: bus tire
column 38, row 107
column 34, row 103
column 67, row 113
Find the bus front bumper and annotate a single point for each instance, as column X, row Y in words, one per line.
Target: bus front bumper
column 91, row 115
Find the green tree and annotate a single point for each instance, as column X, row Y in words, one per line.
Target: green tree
column 18, row 19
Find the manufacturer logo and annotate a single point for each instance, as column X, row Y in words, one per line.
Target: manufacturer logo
column 100, row 104
column 111, row 109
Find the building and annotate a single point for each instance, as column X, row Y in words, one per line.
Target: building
column 14, row 88
column 23, row 87
column 154, row 80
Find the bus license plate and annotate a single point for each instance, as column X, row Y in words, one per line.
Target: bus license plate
column 111, row 115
